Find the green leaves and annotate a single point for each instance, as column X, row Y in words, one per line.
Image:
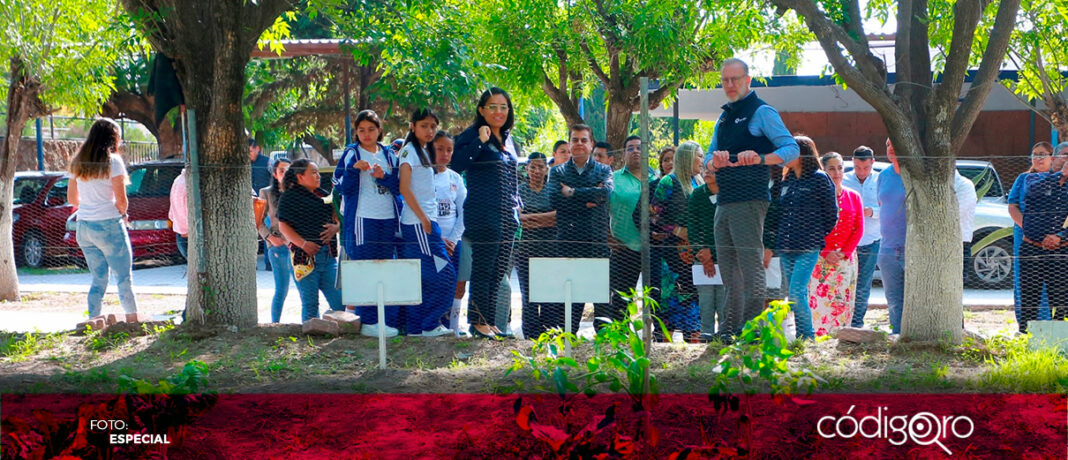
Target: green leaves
column 761, row 354
column 67, row 45
column 618, row 360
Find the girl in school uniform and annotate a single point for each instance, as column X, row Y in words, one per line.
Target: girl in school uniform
column 422, row 235
column 369, row 180
column 451, row 192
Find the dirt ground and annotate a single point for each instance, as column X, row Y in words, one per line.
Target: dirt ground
column 279, row 359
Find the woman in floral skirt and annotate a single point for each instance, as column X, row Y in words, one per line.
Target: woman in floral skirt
column 834, row 281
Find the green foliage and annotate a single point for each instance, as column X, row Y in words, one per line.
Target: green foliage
column 21, row 347
column 760, row 353
column 619, row 360
column 192, row 379
column 101, row 341
column 1015, row 366
column 575, row 46
column 67, row 45
column 1037, row 49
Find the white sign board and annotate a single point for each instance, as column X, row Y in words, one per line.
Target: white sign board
column 401, row 279
column 381, row 283
column 588, row 277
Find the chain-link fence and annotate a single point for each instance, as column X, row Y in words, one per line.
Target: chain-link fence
column 490, row 219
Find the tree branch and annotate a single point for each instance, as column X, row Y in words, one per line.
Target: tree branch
column 996, row 48
column 965, row 20
column 591, row 60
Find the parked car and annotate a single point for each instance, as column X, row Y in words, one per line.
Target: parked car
column 990, row 265
column 150, row 228
column 40, row 213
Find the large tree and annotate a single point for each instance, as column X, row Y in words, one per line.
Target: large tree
column 566, row 48
column 927, row 120
column 210, row 42
column 57, row 53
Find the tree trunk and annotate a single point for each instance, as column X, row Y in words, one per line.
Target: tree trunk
column 22, row 104
column 223, row 286
column 617, row 123
column 933, row 255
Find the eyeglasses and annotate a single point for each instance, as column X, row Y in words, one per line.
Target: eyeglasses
column 1043, row 156
column 497, row 108
column 732, row 80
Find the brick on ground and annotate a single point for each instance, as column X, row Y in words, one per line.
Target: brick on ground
column 316, row 326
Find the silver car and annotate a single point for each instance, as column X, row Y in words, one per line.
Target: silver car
column 990, row 266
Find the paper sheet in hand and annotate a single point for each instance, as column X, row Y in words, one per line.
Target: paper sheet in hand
column 772, row 275
column 700, row 279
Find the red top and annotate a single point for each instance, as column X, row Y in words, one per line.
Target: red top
column 846, row 234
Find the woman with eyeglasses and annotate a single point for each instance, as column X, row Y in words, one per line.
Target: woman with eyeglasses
column 674, row 256
column 486, row 153
column 832, row 289
column 1041, row 161
column 539, row 230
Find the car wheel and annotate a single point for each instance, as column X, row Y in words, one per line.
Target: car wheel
column 991, row 267
column 32, row 251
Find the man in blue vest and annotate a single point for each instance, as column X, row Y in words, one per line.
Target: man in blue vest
column 749, row 136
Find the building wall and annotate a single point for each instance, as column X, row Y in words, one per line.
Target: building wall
column 1001, row 137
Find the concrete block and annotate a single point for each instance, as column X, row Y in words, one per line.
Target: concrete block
column 348, row 322
column 1049, row 334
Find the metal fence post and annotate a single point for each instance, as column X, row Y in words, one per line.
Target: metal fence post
column 647, row 319
column 40, row 145
column 194, row 183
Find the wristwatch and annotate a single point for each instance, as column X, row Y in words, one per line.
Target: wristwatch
column 761, row 158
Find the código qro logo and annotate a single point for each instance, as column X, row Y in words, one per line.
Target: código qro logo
column 923, row 428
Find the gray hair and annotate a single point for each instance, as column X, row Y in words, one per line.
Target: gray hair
column 1061, row 146
column 734, row 61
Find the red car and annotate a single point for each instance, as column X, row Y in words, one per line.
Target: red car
column 40, row 213
column 150, row 228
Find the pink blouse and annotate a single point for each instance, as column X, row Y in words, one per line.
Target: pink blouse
column 846, row 234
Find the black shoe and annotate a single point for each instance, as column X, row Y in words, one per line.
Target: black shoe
column 479, row 335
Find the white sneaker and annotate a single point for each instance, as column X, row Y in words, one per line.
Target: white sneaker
column 437, row 331
column 371, row 330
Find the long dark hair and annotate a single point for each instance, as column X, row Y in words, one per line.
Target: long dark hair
column 427, row 157
column 810, row 157
column 295, row 169
column 480, row 121
column 371, row 116
column 92, row 160
column 276, row 187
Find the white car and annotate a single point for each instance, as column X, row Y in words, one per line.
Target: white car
column 990, row 266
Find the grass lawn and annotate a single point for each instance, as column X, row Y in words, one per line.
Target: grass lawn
column 279, row 359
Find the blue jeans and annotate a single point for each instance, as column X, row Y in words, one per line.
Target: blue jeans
column 283, row 272
column 892, row 269
column 183, row 245
column 106, row 244
column 866, row 258
column 797, row 266
column 322, row 278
